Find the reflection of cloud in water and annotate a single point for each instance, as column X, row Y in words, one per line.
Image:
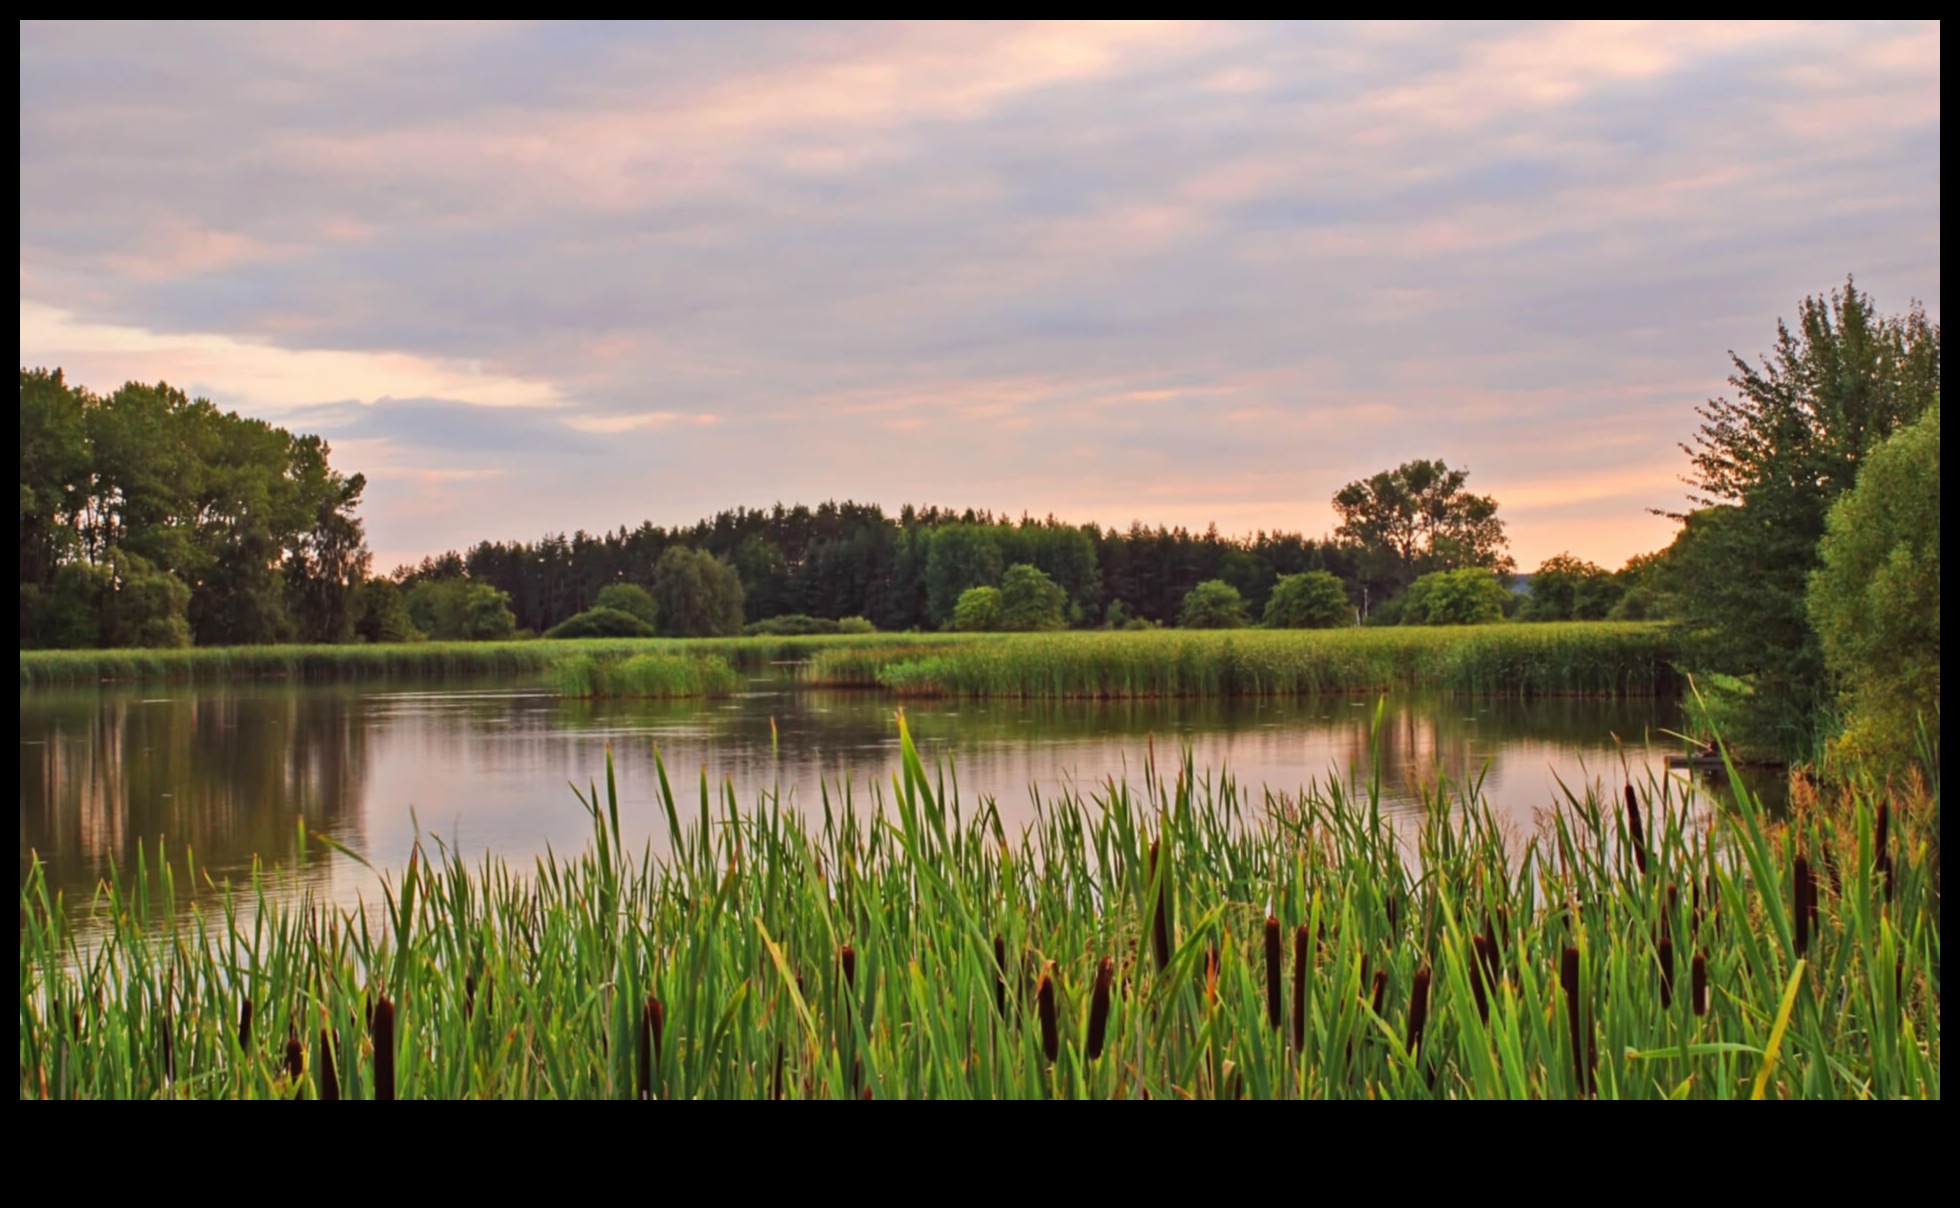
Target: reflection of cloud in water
column 232, row 771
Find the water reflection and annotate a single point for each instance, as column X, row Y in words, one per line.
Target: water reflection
column 231, row 771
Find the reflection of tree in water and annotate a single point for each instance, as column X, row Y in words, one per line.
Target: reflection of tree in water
column 230, row 775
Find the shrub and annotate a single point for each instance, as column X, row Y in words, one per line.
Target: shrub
column 978, row 610
column 1213, row 604
column 1314, row 600
column 629, row 598
column 791, row 625
column 381, row 614
column 1876, row 598
column 601, row 623
column 1030, row 601
column 856, row 625
column 1471, row 596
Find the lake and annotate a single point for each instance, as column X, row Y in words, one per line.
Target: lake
column 232, row 770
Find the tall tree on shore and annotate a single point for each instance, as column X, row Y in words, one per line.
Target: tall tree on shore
column 1766, row 466
column 1415, row 519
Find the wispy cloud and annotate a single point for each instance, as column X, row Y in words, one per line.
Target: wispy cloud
column 1181, row 273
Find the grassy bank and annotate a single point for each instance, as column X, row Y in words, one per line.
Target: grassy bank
column 1582, row 659
column 1182, row 939
column 409, row 660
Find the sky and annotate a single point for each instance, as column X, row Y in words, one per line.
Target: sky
column 533, row 279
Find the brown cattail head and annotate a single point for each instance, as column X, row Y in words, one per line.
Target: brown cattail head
column 1380, row 989
column 847, row 957
column 1636, row 831
column 1274, row 973
column 1698, row 982
column 1302, row 954
column 1479, row 975
column 865, row 1095
column 1099, row 1008
column 1000, row 976
column 295, row 1057
column 1568, row 980
column 1044, row 997
column 381, row 1032
column 469, row 996
column 1160, row 922
column 1882, row 845
column 1664, row 951
column 1801, row 887
column 245, row 1024
column 650, row 1024
column 1418, row 1008
column 329, row 1076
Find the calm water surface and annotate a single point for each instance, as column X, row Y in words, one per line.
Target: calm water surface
column 231, row 771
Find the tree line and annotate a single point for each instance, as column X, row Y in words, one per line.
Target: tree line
column 148, row 518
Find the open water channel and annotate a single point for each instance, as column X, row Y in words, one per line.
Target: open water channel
column 232, row 771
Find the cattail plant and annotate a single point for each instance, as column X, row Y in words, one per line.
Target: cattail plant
column 1044, row 998
column 1160, row 922
column 1801, row 887
column 1273, row 973
column 1664, row 953
column 1882, row 844
column 469, row 996
column 1636, row 831
column 1418, row 1008
column 381, row 1033
column 329, row 1076
column 1000, row 977
column 653, row 1021
column 1568, row 980
column 1380, row 989
column 245, row 1024
column 1099, row 1008
column 1302, row 954
column 847, row 959
column 1698, row 983
column 295, row 1057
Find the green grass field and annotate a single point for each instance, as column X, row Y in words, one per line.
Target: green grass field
column 1595, row 658
column 1185, row 938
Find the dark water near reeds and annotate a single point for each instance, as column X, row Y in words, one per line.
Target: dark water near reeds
column 232, row 771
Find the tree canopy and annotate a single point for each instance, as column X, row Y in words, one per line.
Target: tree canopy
column 1310, row 600
column 1767, row 464
column 1213, row 604
column 1875, row 597
column 1419, row 518
column 150, row 517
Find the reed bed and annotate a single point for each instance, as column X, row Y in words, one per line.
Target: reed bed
column 408, row 660
column 1578, row 659
column 644, row 675
column 1131, row 943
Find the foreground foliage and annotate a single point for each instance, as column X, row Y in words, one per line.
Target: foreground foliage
column 1188, row 940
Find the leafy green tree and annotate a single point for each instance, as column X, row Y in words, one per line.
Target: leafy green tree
column 1565, row 588
column 629, row 598
column 1876, row 597
column 977, row 610
column 383, row 615
column 486, row 614
column 696, row 595
column 1767, row 465
column 1310, row 600
column 1213, row 604
column 1471, row 596
column 146, row 607
column 1031, row 601
column 959, row 556
column 1418, row 518
column 858, row 625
